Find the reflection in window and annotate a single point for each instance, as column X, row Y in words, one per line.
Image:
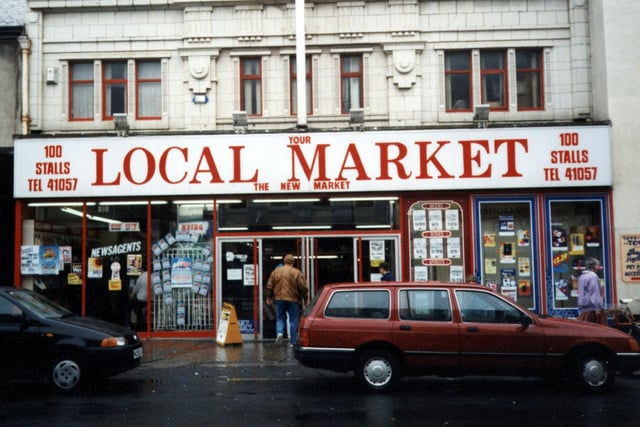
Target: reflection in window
column 431, row 305
column 529, row 78
column 458, row 81
column 481, row 307
column 493, row 77
column 115, row 88
column 359, row 304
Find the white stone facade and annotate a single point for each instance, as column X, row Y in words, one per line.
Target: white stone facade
column 402, row 43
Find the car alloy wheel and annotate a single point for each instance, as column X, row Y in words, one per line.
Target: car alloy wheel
column 66, row 374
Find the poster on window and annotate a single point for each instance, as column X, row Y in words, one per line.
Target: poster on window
column 376, row 252
column 419, row 220
column 181, row 272
column 630, row 257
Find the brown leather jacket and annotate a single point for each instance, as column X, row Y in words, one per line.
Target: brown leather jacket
column 287, row 283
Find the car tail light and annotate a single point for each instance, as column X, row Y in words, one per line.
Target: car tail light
column 113, row 342
column 303, row 337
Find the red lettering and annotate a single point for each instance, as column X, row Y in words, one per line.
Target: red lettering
column 511, row 144
column 237, row 167
column 207, row 158
column 100, row 169
column 352, row 152
column 163, row 164
column 468, row 157
column 386, row 160
column 319, row 155
column 127, row 169
column 425, row 160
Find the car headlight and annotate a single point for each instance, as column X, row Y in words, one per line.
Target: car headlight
column 113, row 342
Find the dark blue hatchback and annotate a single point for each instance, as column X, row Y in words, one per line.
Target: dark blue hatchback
column 41, row 340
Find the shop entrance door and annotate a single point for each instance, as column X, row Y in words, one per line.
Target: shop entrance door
column 245, row 265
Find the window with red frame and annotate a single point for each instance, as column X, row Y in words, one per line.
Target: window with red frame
column 251, row 86
column 294, row 85
column 351, row 86
column 529, row 80
column 458, row 81
column 81, row 88
column 493, row 78
column 114, row 88
column 148, row 90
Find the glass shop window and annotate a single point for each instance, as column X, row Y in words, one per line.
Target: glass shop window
column 507, row 255
column 575, row 234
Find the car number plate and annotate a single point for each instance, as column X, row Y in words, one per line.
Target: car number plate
column 138, row 352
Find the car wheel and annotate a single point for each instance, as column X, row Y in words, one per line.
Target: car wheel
column 377, row 369
column 593, row 370
column 66, row 374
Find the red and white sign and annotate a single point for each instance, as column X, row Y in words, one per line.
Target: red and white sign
column 313, row 163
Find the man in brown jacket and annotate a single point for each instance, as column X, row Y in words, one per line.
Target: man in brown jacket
column 288, row 287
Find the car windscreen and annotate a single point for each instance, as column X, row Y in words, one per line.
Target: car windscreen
column 39, row 304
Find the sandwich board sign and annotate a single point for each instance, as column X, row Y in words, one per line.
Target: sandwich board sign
column 228, row 328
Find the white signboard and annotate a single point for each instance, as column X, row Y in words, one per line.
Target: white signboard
column 331, row 162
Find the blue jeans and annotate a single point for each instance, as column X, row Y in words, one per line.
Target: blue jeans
column 291, row 309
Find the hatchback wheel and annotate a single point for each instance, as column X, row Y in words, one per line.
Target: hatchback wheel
column 377, row 369
column 593, row 370
column 66, row 374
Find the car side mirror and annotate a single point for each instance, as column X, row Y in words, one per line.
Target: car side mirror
column 526, row 320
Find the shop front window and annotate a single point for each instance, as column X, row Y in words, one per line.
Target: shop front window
column 506, row 253
column 51, row 254
column 576, row 230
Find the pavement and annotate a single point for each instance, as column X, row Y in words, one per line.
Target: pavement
column 201, row 350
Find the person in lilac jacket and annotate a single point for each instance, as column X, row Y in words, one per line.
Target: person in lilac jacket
column 590, row 302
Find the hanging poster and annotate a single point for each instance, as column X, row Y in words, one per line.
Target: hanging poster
column 419, row 220
column 630, row 257
column 181, row 272
column 376, row 252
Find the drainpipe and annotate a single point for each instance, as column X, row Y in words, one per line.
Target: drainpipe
column 25, row 49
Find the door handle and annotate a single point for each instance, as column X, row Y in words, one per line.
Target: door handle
column 472, row 329
column 405, row 327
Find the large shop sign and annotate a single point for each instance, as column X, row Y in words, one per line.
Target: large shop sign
column 313, row 163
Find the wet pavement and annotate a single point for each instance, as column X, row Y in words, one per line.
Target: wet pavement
column 168, row 352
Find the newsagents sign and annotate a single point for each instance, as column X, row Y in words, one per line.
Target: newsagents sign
column 313, row 162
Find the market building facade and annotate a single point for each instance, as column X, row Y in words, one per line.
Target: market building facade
column 448, row 138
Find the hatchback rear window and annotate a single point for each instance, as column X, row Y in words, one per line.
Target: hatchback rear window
column 372, row 304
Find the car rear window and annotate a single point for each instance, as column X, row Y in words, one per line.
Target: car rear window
column 365, row 304
column 425, row 304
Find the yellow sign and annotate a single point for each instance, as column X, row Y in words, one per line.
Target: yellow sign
column 115, row 285
column 228, row 329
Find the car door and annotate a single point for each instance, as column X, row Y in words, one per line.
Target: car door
column 16, row 338
column 425, row 330
column 497, row 336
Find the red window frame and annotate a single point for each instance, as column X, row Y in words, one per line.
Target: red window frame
column 250, row 77
column 112, row 81
column 484, row 72
column 145, row 80
column 72, row 84
column 450, row 73
column 350, row 75
column 537, row 70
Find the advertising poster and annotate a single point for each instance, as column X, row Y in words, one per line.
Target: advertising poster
column 630, row 257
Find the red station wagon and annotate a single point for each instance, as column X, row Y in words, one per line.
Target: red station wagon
column 386, row 330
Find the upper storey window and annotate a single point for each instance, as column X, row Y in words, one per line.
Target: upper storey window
column 351, row 82
column 251, row 86
column 114, row 88
column 458, row 81
column 529, row 79
column 491, row 71
column 148, row 90
column 493, row 79
column 81, row 86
